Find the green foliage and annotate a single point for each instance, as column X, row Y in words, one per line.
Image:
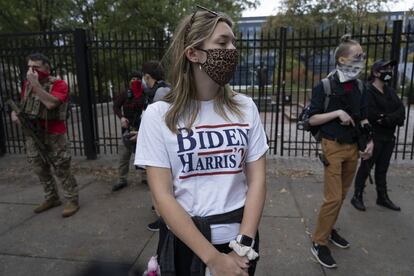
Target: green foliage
column 302, row 14
column 158, row 17
column 27, row 16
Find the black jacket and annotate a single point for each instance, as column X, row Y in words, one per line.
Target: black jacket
column 127, row 105
column 385, row 112
column 345, row 96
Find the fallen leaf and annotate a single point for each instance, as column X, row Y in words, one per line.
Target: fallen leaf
column 283, row 190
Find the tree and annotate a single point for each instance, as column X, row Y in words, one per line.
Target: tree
column 326, row 13
column 109, row 21
column 28, row 16
column 155, row 16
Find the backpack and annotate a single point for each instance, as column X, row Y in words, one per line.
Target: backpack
column 150, row 92
column 303, row 120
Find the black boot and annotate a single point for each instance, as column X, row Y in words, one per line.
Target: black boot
column 385, row 201
column 357, row 200
column 119, row 185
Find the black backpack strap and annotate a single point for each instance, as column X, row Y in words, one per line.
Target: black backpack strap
column 160, row 84
column 361, row 86
column 327, row 90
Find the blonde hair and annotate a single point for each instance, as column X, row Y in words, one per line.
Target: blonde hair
column 191, row 33
column 346, row 42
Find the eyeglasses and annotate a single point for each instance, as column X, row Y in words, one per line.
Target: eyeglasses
column 361, row 56
column 190, row 24
column 357, row 58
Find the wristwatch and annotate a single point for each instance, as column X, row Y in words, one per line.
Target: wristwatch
column 245, row 240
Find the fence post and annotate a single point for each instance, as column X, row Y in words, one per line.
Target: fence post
column 396, row 48
column 280, row 88
column 85, row 94
column 2, row 133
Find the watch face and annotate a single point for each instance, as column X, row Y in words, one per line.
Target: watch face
column 245, row 240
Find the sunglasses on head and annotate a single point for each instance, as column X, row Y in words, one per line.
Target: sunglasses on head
column 190, row 24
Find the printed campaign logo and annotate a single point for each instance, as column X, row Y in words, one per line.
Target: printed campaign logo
column 213, row 149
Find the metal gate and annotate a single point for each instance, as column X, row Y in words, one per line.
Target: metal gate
column 278, row 70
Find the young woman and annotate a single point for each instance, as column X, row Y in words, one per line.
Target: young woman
column 385, row 113
column 204, row 149
column 346, row 111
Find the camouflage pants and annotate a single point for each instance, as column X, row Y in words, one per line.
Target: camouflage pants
column 57, row 151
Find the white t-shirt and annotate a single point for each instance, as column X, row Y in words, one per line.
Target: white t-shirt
column 207, row 164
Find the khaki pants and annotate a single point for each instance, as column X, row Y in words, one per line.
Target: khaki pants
column 125, row 152
column 338, row 176
column 57, row 151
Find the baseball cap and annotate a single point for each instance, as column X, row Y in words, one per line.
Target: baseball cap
column 380, row 64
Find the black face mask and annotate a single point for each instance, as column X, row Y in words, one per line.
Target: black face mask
column 386, row 76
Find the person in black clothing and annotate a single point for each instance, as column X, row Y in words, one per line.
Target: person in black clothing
column 128, row 106
column 385, row 113
column 261, row 73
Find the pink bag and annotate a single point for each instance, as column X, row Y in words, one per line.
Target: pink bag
column 153, row 269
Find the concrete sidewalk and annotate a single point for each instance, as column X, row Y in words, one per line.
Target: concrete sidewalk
column 111, row 227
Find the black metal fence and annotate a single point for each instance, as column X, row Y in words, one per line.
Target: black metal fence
column 299, row 59
column 278, row 70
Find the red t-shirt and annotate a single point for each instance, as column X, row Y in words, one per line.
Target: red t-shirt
column 348, row 86
column 60, row 90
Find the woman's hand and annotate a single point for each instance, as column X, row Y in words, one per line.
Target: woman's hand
column 243, row 262
column 367, row 153
column 346, row 120
column 225, row 264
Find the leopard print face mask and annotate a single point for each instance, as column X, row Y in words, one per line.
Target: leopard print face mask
column 220, row 64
